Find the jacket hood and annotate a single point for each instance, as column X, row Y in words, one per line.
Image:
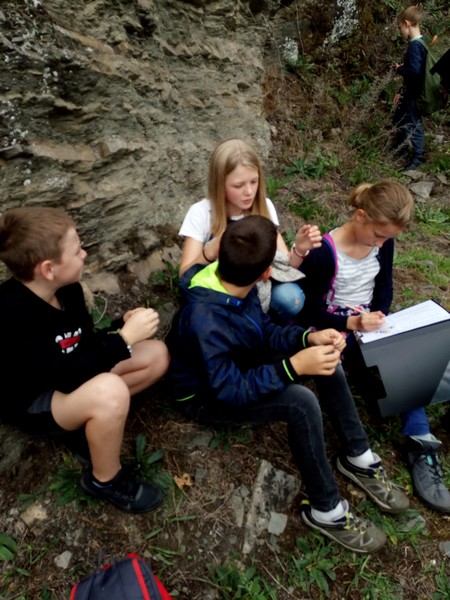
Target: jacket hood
column 202, row 284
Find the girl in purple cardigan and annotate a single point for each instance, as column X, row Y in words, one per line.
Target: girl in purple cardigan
column 348, row 286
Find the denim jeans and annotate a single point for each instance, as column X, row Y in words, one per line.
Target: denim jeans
column 408, row 126
column 299, row 408
column 286, row 301
column 415, row 422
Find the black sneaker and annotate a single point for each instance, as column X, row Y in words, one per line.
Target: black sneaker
column 125, row 492
column 426, row 473
column 355, row 534
column 412, row 165
column 375, row 483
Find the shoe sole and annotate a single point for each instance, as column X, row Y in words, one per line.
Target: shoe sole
column 329, row 535
column 384, row 507
column 150, row 508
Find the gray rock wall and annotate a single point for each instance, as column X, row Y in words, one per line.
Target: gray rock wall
column 110, row 108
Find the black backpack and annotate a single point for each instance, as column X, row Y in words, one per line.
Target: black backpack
column 129, row 578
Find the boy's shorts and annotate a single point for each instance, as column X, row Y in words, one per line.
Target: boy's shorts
column 39, row 419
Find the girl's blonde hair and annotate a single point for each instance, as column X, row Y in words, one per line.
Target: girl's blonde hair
column 228, row 155
column 413, row 14
column 386, row 202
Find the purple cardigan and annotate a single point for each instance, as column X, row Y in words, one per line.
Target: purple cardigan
column 320, row 268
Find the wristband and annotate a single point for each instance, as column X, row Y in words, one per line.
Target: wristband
column 304, row 336
column 299, row 255
column 204, row 255
column 129, row 348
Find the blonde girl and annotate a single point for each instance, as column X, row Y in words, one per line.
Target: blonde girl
column 236, row 189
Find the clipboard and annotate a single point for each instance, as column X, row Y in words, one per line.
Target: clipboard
column 409, row 356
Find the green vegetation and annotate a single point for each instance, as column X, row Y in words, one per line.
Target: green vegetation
column 235, row 583
column 313, row 168
column 313, row 565
column 224, row 437
column 8, row 547
column 66, row 485
column 148, row 464
column 99, row 313
column 165, row 279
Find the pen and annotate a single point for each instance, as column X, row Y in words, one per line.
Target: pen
column 356, row 309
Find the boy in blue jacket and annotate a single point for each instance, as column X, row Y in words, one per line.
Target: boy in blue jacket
column 407, row 118
column 231, row 364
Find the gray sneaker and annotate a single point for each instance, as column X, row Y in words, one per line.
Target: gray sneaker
column 373, row 480
column 350, row 531
column 426, row 473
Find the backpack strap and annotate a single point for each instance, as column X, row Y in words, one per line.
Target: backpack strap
column 423, row 43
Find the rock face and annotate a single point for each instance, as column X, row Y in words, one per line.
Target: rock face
column 110, row 110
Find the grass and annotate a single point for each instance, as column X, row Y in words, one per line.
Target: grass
column 312, row 566
column 314, row 167
column 236, row 583
column 8, row 547
column 225, row 437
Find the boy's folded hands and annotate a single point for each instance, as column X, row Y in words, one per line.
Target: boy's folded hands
column 140, row 324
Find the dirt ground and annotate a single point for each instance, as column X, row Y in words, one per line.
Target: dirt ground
column 195, row 527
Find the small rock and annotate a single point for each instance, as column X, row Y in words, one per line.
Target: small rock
column 200, row 440
column 422, row 189
column 417, row 522
column 277, row 523
column 272, row 494
column 35, row 512
column 62, row 561
column 444, row 547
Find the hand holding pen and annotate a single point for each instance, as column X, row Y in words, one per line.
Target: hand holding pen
column 365, row 320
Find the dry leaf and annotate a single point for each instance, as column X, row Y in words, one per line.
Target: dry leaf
column 183, row 481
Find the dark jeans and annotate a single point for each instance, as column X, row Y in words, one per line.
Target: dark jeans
column 408, row 126
column 299, row 408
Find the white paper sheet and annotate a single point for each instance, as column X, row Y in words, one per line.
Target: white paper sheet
column 414, row 317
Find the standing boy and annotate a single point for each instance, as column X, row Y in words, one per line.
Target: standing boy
column 407, row 118
column 58, row 374
column 230, row 363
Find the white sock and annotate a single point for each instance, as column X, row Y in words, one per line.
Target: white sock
column 330, row 515
column 363, row 460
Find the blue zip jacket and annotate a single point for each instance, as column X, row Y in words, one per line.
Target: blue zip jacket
column 226, row 348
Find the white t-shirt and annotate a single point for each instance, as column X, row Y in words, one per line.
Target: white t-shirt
column 197, row 222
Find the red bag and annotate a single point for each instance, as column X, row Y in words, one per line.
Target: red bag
column 129, row 578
